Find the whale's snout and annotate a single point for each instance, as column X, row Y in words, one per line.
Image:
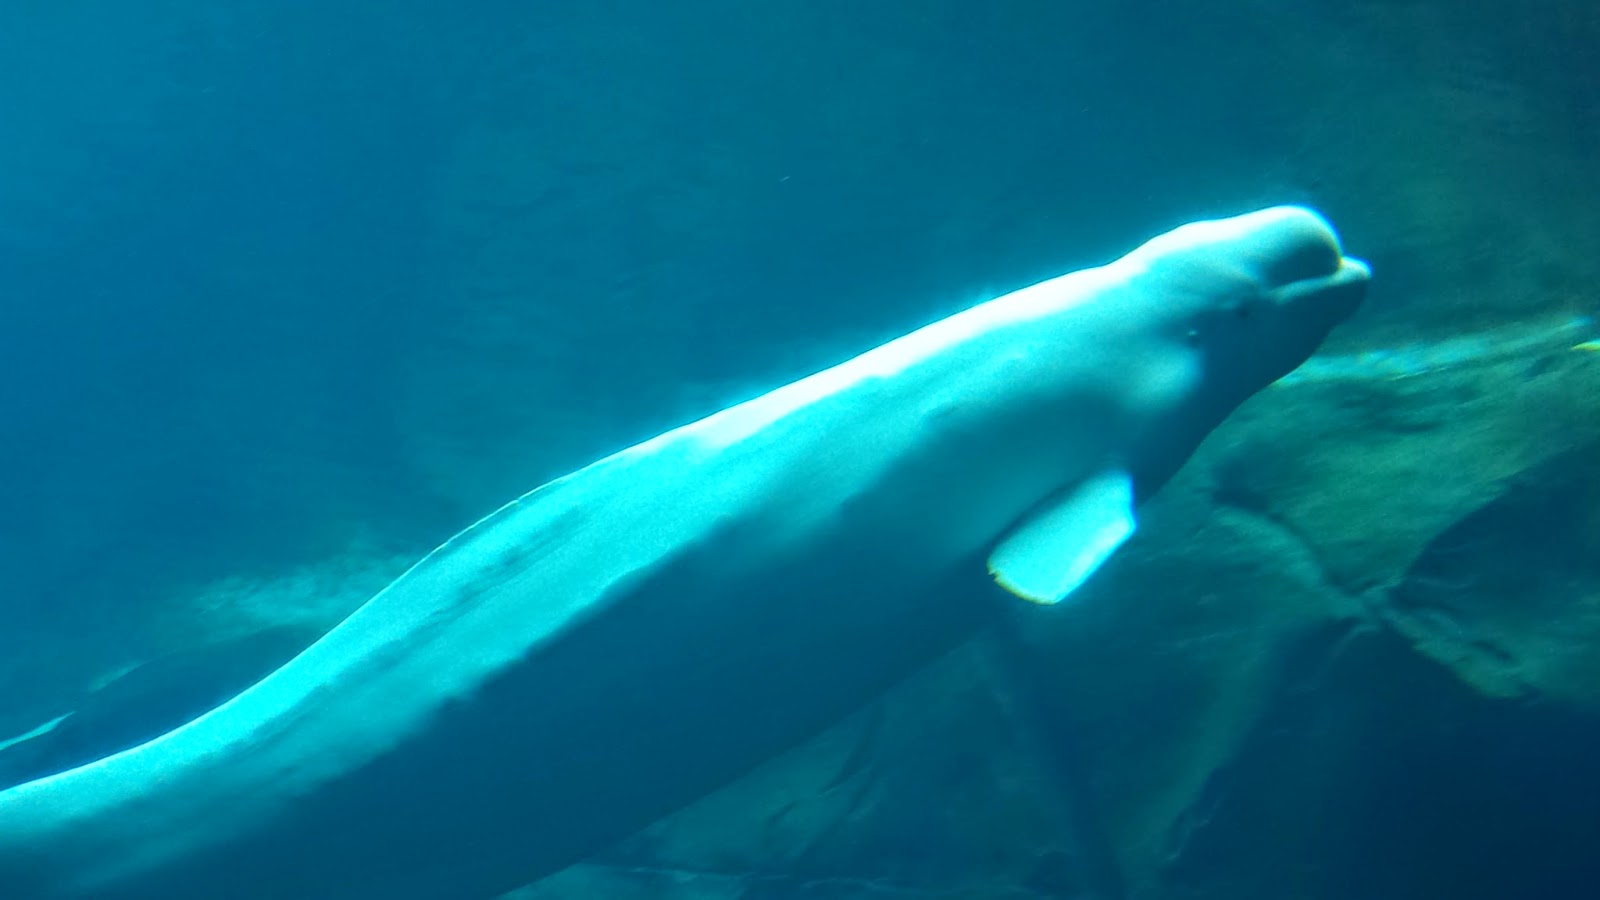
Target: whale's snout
column 1289, row 256
column 1274, row 248
column 1337, row 294
column 1295, row 259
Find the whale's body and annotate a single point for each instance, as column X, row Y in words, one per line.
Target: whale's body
column 629, row 637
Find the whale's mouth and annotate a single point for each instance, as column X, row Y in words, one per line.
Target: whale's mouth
column 1339, row 291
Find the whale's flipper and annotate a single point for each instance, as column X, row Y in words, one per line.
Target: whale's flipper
column 1061, row 544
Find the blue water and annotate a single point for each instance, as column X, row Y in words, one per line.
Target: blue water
column 289, row 294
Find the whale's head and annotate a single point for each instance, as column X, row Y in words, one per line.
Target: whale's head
column 1231, row 305
column 1251, row 296
column 1151, row 353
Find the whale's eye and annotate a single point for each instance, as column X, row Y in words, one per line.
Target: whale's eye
column 1192, row 337
column 1243, row 308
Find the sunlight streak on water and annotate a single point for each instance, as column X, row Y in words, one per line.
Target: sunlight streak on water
column 1410, row 360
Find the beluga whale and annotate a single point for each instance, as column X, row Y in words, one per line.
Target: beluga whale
column 630, row 637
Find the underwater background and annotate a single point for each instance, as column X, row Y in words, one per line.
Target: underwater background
column 292, row 293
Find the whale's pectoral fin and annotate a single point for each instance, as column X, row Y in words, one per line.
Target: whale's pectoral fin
column 1059, row 546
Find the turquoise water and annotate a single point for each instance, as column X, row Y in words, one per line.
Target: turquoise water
column 290, row 294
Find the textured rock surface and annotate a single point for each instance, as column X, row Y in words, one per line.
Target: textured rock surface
column 1509, row 596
